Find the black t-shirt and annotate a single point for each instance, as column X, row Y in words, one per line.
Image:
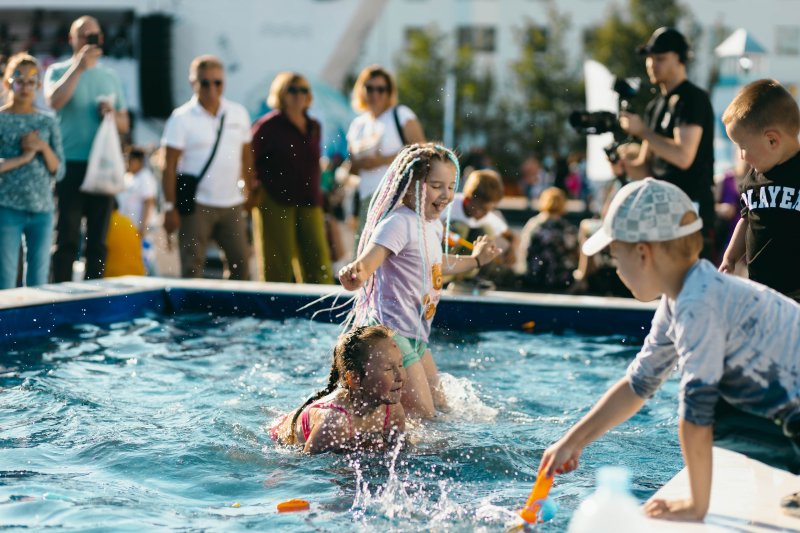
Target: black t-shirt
column 771, row 204
column 686, row 104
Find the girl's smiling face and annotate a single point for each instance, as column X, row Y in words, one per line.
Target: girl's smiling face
column 384, row 374
column 439, row 188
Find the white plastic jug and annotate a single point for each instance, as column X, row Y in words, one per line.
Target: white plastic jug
column 611, row 508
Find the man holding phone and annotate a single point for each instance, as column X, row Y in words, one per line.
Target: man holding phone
column 78, row 90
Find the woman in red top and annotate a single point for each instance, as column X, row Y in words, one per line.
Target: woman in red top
column 288, row 221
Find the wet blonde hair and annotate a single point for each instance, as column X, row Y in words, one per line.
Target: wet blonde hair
column 358, row 100
column 485, row 185
column 280, row 85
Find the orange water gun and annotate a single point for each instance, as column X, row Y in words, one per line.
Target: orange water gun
column 532, row 511
column 454, row 239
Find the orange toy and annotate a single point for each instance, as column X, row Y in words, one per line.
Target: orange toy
column 530, row 513
column 293, row 506
column 454, row 239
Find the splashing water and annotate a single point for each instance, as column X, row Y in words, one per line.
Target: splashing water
column 159, row 423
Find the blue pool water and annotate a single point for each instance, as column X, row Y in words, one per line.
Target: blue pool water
column 159, row 423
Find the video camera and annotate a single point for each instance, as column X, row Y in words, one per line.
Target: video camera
column 597, row 122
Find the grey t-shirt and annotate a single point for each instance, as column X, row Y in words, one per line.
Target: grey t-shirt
column 731, row 338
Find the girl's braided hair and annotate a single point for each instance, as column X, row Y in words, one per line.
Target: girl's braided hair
column 349, row 355
column 409, row 169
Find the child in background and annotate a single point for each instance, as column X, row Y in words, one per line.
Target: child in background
column 402, row 247
column 763, row 121
column 123, row 247
column 473, row 212
column 735, row 342
column 549, row 245
column 360, row 407
column 138, row 200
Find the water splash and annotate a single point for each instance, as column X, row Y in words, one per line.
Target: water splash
column 465, row 401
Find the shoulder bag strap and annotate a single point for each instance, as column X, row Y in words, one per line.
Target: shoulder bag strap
column 399, row 127
column 213, row 150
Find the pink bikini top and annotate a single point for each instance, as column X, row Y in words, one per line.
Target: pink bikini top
column 305, row 417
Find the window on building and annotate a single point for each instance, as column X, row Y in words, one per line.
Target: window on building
column 478, row 38
column 787, row 40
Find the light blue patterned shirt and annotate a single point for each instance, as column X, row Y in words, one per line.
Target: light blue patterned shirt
column 29, row 187
column 731, row 338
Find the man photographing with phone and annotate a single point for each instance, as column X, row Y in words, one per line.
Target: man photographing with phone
column 77, row 89
column 677, row 130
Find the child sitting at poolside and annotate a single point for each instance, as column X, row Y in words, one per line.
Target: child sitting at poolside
column 474, row 212
column 735, row 342
column 763, row 121
column 360, row 407
column 402, row 246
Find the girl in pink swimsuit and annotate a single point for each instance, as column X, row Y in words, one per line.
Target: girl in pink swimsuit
column 360, row 407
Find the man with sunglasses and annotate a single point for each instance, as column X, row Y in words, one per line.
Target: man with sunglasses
column 208, row 138
column 74, row 88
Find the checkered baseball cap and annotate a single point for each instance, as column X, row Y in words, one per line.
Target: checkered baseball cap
column 647, row 210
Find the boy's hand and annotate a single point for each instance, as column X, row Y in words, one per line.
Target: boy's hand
column 485, row 249
column 351, row 276
column 672, row 509
column 563, row 454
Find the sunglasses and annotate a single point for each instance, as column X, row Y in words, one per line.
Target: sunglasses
column 19, row 83
column 205, row 84
column 298, row 90
column 380, row 89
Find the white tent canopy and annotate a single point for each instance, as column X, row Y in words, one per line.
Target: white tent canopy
column 738, row 44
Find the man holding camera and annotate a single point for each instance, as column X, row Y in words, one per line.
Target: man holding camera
column 74, row 89
column 677, row 130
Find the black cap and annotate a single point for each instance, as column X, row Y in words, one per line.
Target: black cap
column 666, row 40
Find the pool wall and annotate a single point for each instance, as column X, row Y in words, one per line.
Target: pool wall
column 41, row 311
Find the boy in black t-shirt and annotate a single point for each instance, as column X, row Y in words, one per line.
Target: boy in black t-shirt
column 763, row 121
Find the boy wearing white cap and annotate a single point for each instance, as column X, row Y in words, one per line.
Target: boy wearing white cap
column 735, row 342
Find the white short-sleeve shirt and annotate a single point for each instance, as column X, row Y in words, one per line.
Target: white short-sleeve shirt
column 193, row 130
column 139, row 187
column 370, row 135
column 491, row 219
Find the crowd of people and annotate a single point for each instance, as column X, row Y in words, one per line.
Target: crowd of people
column 279, row 210
column 416, row 229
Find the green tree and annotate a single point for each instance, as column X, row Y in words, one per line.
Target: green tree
column 614, row 42
column 421, row 73
column 548, row 88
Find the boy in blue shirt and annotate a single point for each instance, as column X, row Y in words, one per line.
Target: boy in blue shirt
column 735, row 342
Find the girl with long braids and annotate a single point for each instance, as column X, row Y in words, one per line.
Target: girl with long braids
column 400, row 263
column 360, row 407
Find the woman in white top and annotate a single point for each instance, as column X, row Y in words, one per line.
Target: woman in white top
column 378, row 134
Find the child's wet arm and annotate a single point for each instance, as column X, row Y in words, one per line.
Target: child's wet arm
column 456, row 264
column 696, row 444
column 616, row 406
column 355, row 274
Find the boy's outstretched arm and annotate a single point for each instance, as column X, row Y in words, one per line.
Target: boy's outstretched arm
column 736, row 248
column 484, row 249
column 355, row 274
column 617, row 405
column 696, row 444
